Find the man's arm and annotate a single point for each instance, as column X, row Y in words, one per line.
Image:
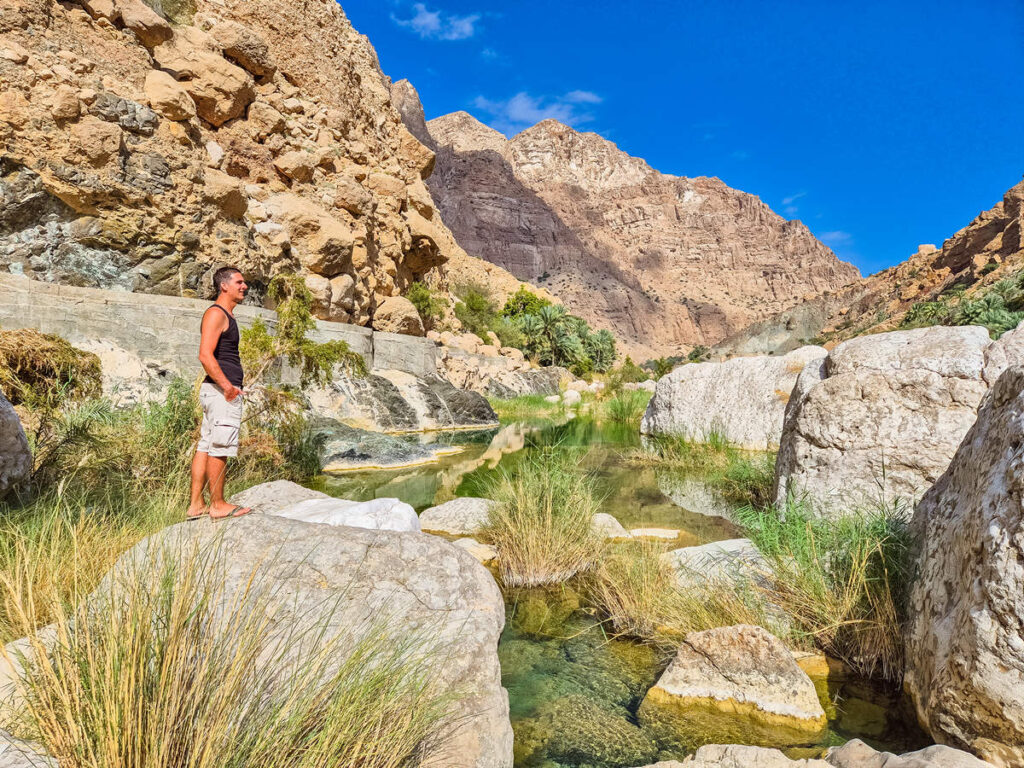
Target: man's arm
column 214, row 324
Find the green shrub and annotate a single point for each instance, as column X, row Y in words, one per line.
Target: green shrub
column 523, row 302
column 627, row 407
column 429, row 306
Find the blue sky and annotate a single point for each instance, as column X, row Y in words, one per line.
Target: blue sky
column 880, row 125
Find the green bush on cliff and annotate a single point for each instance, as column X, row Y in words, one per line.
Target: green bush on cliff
column 999, row 308
column 43, row 371
column 428, row 304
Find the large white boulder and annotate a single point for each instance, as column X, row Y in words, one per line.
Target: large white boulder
column 965, row 640
column 734, row 684
column 725, row 561
column 341, row 579
column 743, row 399
column 15, row 458
column 881, row 419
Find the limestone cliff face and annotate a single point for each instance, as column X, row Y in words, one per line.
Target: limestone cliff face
column 664, row 262
column 987, row 250
column 143, row 148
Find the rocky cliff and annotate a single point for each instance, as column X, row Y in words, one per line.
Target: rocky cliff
column 984, row 252
column 145, row 145
column 664, row 262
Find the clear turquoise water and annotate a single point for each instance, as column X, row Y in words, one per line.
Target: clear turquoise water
column 573, row 691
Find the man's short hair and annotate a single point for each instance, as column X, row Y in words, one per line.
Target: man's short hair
column 221, row 276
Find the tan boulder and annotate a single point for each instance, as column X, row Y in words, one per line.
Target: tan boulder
column 225, row 192
column 321, row 241
column 396, row 314
column 103, row 9
column 151, row 28
column 734, row 685
column 342, row 297
column 96, row 140
column 296, row 165
column 320, row 288
column 244, row 47
column 264, row 121
column 168, row 97
column 220, row 90
column 64, row 104
column 14, row 108
column 351, row 196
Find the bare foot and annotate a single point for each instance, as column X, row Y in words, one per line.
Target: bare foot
column 196, row 510
column 221, row 510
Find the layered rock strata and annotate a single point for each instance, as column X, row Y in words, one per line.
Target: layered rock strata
column 965, row 657
column 141, row 154
column 743, row 400
column 734, row 685
column 664, row 262
column 880, row 420
column 987, row 250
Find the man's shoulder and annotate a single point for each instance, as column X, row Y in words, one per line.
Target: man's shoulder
column 216, row 315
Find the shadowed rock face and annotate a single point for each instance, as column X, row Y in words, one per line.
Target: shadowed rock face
column 664, row 262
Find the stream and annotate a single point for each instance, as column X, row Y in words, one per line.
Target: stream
column 573, row 690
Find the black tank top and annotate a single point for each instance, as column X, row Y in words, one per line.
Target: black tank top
column 226, row 352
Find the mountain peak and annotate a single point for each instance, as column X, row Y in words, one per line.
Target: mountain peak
column 464, row 133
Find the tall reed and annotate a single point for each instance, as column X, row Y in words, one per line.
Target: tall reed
column 542, row 521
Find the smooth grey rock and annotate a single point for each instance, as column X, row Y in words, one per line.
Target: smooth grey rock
column 857, row 754
column 727, row 561
column 743, row 399
column 461, row 516
column 15, row 753
column 608, row 526
column 965, row 639
column 269, row 498
column 15, row 458
column 1005, row 351
column 739, row 756
column 350, row 578
column 484, row 553
column 880, row 421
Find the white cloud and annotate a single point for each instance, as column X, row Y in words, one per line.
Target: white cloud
column 438, row 25
column 789, row 206
column 793, row 198
column 583, row 97
column 490, row 54
column 836, row 237
column 523, row 110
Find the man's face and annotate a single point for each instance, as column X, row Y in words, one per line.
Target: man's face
column 234, row 287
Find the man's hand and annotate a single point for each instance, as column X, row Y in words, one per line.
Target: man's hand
column 231, row 392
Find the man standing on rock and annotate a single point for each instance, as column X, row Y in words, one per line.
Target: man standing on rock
column 220, row 396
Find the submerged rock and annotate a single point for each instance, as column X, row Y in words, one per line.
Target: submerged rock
column 464, row 515
column 343, row 447
column 733, row 685
column 743, row 399
column 15, row 458
column 881, row 419
column 965, row 651
column 484, row 553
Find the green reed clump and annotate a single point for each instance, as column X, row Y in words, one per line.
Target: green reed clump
column 843, row 582
column 627, row 407
column 527, row 408
column 542, row 521
column 165, row 665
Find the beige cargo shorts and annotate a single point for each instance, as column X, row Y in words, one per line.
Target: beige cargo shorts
column 218, row 435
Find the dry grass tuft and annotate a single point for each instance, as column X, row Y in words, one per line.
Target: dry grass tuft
column 43, row 370
column 163, row 666
column 542, row 522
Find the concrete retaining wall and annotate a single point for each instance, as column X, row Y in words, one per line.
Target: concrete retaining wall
column 165, row 329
